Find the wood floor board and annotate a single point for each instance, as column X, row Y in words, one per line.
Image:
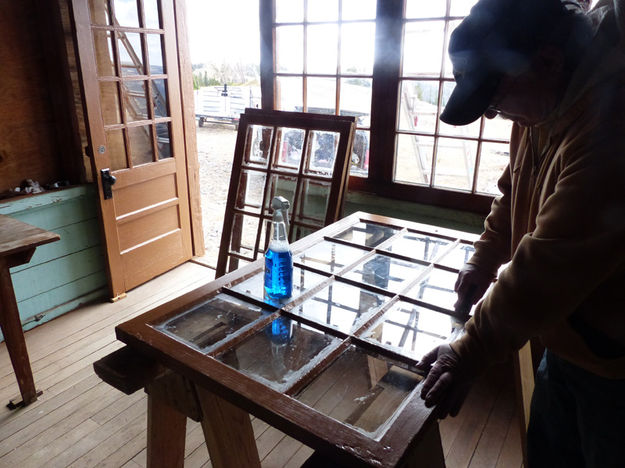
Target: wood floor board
column 198, row 458
column 71, row 417
column 510, row 455
column 13, row 421
column 282, row 453
column 48, row 422
column 100, row 434
column 477, row 410
column 81, row 422
column 106, row 449
column 491, row 442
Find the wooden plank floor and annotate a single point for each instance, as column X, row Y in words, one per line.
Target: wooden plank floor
column 82, row 422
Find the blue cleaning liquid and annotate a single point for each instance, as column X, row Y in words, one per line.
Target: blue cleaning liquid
column 279, row 331
column 278, row 273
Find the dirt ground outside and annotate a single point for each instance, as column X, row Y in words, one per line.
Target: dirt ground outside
column 215, row 145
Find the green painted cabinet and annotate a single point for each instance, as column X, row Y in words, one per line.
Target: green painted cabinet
column 65, row 274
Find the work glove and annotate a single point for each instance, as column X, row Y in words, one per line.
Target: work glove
column 447, row 383
column 471, row 285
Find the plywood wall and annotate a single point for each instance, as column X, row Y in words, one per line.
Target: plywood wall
column 38, row 136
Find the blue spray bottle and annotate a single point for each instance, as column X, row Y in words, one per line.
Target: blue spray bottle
column 278, row 258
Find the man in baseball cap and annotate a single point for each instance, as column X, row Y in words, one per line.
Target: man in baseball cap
column 558, row 72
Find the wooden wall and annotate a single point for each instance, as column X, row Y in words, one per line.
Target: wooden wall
column 38, row 139
column 41, row 139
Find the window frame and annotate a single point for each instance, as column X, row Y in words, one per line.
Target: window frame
column 386, row 88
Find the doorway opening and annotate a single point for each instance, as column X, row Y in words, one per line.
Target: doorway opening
column 224, row 43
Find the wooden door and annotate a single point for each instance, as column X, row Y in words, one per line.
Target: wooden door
column 129, row 74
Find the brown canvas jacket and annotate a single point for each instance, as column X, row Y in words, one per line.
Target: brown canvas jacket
column 561, row 223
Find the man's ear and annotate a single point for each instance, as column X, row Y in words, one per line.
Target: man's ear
column 548, row 60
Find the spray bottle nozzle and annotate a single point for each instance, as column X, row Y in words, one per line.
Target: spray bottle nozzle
column 280, row 206
column 280, row 203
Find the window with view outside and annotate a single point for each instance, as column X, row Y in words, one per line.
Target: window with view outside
column 388, row 58
column 324, row 51
column 429, row 152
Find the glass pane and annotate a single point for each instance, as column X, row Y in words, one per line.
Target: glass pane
column 321, row 94
column 141, row 144
column 360, row 154
column 150, row 9
column 493, row 160
column 126, row 13
column 258, row 145
column 322, row 48
column 423, row 48
column 411, row 330
column 385, row 272
column 209, row 323
column 323, row 10
column 303, row 280
column 289, row 148
column 419, row 246
column 356, row 100
column 455, row 163
column 425, row 9
column 243, row 235
column 163, row 141
column 413, row 162
column 281, row 353
column 458, row 256
column 109, row 101
column 437, row 288
column 461, row 7
column 280, row 186
column 418, row 103
column 367, row 234
column 497, row 128
column 357, row 48
column 155, row 53
column 313, row 200
column 364, row 390
column 289, row 11
column 159, row 98
column 322, row 154
column 471, row 130
column 358, row 9
column 130, row 53
column 135, row 100
column 342, row 306
column 290, row 49
column 99, row 12
column 289, row 93
column 329, row 256
column 251, row 189
column 116, row 149
column 103, row 44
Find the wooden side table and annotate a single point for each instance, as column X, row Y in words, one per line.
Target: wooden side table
column 18, row 242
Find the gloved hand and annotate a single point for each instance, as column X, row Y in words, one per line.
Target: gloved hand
column 447, row 383
column 471, row 285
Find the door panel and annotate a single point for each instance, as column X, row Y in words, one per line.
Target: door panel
column 129, row 75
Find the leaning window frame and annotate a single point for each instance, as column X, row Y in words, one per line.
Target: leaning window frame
column 387, row 79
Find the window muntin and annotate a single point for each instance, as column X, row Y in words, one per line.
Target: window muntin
column 429, row 152
column 323, row 56
column 323, row 52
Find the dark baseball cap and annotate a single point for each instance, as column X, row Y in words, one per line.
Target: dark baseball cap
column 497, row 39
